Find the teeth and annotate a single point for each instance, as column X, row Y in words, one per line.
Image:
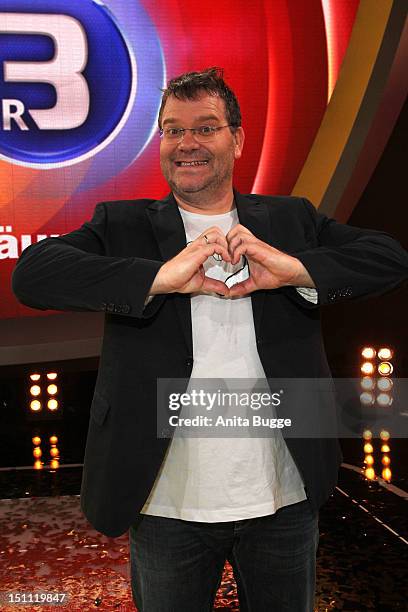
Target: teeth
column 192, row 163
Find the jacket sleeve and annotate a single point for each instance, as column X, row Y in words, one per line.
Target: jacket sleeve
column 350, row 262
column 73, row 272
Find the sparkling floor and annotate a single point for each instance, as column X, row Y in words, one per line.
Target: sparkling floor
column 47, row 545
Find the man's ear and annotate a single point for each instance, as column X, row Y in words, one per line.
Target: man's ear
column 239, row 137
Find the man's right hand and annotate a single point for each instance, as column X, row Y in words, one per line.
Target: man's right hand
column 184, row 273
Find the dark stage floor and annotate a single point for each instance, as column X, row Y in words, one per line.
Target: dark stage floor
column 47, row 545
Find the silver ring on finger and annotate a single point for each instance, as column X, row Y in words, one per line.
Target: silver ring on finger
column 206, row 239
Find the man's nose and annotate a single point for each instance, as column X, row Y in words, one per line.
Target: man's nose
column 188, row 142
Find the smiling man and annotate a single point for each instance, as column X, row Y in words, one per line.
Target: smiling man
column 207, row 284
column 200, row 160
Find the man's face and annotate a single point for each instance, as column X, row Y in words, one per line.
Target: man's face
column 213, row 176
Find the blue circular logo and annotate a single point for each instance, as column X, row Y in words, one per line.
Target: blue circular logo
column 74, row 74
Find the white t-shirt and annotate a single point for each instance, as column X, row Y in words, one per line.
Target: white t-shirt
column 224, row 479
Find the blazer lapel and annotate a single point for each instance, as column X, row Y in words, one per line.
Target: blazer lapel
column 169, row 231
column 253, row 214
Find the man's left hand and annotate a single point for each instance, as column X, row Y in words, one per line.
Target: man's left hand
column 269, row 268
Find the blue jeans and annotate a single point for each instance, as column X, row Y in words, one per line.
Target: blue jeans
column 176, row 565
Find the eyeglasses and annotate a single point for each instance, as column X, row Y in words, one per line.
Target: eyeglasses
column 204, row 133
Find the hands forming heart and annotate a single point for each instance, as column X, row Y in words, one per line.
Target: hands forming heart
column 269, row 268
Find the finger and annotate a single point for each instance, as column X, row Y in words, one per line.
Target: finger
column 211, row 285
column 243, row 288
column 200, row 252
column 252, row 250
column 236, row 242
column 199, row 255
column 214, row 247
column 218, row 240
column 214, row 231
column 238, row 229
column 213, row 235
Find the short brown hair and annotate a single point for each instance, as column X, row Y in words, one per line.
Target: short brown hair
column 188, row 86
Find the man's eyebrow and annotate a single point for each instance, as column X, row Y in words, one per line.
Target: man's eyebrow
column 199, row 119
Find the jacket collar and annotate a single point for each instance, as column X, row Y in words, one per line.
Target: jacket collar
column 253, row 214
column 169, row 228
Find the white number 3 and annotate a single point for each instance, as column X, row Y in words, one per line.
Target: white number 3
column 63, row 71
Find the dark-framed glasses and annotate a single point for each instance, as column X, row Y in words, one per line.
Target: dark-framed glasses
column 203, row 133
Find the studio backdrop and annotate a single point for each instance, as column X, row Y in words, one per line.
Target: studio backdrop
column 80, row 89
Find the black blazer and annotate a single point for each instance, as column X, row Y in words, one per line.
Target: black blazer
column 109, row 264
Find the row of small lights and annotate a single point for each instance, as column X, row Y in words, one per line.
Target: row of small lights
column 37, row 453
column 384, row 399
column 36, row 391
column 383, row 384
column 369, row 471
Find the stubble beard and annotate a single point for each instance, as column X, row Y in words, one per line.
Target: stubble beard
column 201, row 191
